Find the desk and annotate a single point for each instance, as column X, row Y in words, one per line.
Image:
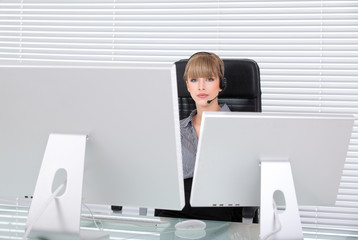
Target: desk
column 214, row 230
column 13, row 221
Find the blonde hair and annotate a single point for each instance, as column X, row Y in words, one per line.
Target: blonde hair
column 204, row 64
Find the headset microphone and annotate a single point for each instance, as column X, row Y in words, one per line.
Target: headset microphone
column 209, row 101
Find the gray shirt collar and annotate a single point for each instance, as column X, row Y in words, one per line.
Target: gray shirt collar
column 186, row 121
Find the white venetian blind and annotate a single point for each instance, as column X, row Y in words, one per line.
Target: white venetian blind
column 307, row 51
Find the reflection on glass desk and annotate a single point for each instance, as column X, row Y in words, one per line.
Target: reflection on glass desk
column 13, row 221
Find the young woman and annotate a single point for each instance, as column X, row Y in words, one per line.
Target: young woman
column 204, row 77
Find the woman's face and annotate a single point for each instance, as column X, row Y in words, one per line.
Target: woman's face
column 203, row 89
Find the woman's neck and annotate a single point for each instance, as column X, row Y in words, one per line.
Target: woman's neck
column 212, row 107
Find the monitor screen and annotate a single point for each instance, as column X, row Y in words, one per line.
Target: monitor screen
column 129, row 113
column 233, row 144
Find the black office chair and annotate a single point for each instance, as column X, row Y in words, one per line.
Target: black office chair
column 243, row 94
column 243, row 91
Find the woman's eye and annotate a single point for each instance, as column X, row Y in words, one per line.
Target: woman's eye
column 193, row 80
column 210, row 79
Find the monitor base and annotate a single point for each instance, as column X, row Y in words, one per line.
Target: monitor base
column 276, row 176
column 57, row 213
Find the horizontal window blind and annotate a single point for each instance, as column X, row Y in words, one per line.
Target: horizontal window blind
column 307, row 52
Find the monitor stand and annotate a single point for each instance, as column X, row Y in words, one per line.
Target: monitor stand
column 55, row 214
column 276, row 176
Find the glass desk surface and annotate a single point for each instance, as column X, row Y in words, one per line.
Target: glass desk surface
column 13, row 222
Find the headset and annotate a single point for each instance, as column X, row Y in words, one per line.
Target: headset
column 223, row 81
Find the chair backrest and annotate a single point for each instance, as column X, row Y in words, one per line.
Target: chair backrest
column 243, row 91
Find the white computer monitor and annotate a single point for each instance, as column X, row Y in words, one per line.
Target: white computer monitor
column 129, row 113
column 233, row 145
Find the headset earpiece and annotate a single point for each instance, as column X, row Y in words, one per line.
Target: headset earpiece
column 223, row 84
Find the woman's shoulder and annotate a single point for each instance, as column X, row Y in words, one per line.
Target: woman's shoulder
column 225, row 108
